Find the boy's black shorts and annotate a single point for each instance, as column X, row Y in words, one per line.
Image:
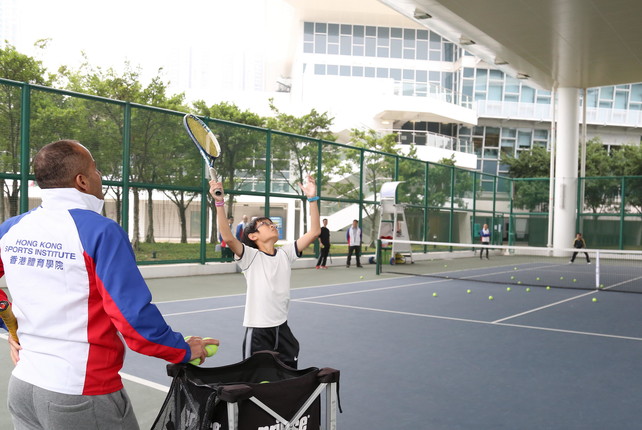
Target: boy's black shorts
column 279, row 339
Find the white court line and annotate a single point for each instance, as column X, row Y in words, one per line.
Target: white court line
column 584, row 333
column 545, row 307
column 145, row 382
column 204, row 310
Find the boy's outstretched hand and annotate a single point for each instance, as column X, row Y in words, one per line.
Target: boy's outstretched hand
column 310, row 188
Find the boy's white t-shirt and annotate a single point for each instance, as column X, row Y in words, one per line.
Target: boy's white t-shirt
column 268, row 285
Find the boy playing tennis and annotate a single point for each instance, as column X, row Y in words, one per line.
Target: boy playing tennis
column 267, row 270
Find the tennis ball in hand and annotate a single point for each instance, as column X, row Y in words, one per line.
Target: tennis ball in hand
column 209, row 349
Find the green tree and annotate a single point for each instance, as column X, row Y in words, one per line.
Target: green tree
column 22, row 68
column 530, row 194
column 294, row 156
column 153, row 133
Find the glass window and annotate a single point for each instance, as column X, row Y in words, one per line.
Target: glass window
column 422, row 50
column 421, row 76
column 382, row 72
column 396, row 32
column 370, row 72
column 435, row 55
column 636, row 92
column 434, row 77
column 358, row 32
column 346, row 45
column 346, row 29
column 469, row 72
column 371, row 47
column 490, row 153
column 320, row 44
column 383, row 36
column 357, row 50
column 512, row 85
column 408, row 75
column 509, row 132
column 528, row 94
column 496, row 75
column 482, row 77
column 492, row 136
column 357, row 71
column 606, row 93
column 495, row 91
column 422, row 34
column 333, row 29
column 540, row 134
column 319, row 69
column 383, row 52
column 449, row 52
column 332, row 69
column 524, row 139
column 333, row 49
column 320, row 27
column 395, row 48
column 621, row 99
column 371, row 31
column 490, row 167
column 408, row 38
column 395, row 74
column 344, row 70
column 308, row 31
column 409, row 54
column 308, row 48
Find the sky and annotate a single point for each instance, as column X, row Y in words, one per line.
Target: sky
column 150, row 34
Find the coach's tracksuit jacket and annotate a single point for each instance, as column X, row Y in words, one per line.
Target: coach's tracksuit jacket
column 77, row 294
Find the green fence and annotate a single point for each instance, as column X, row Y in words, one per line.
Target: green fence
column 156, row 185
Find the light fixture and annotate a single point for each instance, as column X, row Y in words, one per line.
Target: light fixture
column 522, row 76
column 420, row 14
column 466, row 41
column 500, row 61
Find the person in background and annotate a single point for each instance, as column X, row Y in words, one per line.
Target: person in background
column 579, row 243
column 354, row 236
column 485, row 240
column 324, row 238
column 241, row 227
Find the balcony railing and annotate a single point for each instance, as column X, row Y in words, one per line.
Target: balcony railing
column 428, row 138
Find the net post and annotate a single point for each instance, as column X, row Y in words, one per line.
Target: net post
column 378, row 258
column 597, row 269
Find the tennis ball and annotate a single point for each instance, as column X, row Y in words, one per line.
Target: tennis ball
column 508, row 289
column 445, row 265
column 561, row 278
column 519, row 282
column 574, row 280
column 361, row 277
column 490, row 297
column 548, row 287
column 537, row 279
column 601, row 285
column 514, row 268
column 209, row 349
column 468, row 291
column 528, row 290
column 594, row 299
column 434, row 294
column 512, row 277
column 264, row 382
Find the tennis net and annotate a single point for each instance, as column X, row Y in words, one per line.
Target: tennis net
column 602, row 269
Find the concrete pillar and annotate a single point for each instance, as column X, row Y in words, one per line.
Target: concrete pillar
column 566, row 163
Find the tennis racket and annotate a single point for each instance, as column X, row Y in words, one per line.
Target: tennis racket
column 206, row 143
column 9, row 319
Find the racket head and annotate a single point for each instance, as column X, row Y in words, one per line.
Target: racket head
column 203, row 138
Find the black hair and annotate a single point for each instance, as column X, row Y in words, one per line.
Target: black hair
column 250, row 228
column 57, row 164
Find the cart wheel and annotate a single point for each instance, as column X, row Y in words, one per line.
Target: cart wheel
column 392, row 261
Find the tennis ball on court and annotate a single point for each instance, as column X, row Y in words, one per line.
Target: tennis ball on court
column 574, row 280
column 548, row 287
column 514, row 268
column 490, row 298
column 434, row 294
column 508, row 289
column 594, row 299
column 468, row 291
column 561, row 278
column 601, row 285
column 361, row 277
column 528, row 290
column 519, row 282
column 445, row 265
column 512, row 277
column 537, row 279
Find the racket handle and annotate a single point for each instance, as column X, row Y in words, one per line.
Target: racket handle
column 9, row 319
column 214, row 177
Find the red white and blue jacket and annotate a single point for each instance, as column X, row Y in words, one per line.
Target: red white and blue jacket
column 78, row 297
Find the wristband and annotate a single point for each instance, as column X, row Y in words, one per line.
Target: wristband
column 313, row 199
column 219, row 204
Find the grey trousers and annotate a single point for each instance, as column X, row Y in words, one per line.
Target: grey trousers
column 34, row 408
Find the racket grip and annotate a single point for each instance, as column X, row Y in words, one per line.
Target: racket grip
column 214, row 177
column 9, row 319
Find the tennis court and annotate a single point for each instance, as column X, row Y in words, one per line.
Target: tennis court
column 421, row 352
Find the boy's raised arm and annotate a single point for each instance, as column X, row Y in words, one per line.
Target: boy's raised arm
column 221, row 216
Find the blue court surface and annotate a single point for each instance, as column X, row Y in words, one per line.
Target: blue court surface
column 426, row 353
